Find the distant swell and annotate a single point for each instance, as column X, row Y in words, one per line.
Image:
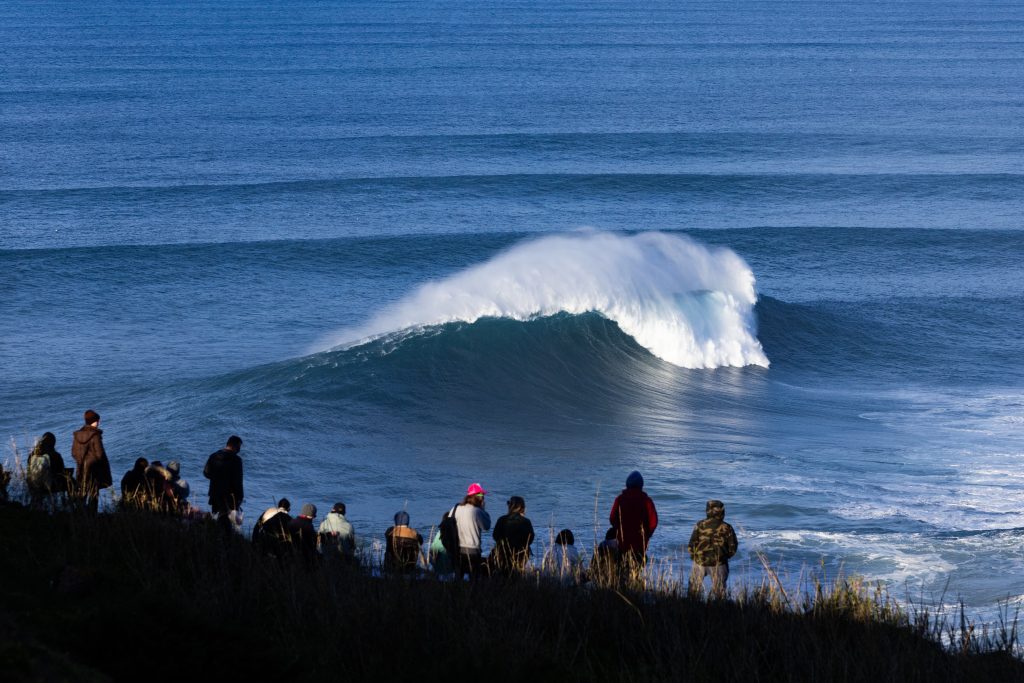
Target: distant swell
column 685, row 303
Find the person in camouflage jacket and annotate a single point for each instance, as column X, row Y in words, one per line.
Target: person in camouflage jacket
column 711, row 545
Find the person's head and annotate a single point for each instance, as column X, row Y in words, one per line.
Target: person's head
column 565, row 537
column 715, row 508
column 285, row 504
column 475, row 495
column 141, row 464
column 338, row 508
column 174, row 468
column 611, row 534
column 402, row 518
column 91, row 417
column 234, row 443
column 516, row 504
column 635, row 480
column 156, row 465
column 308, row 510
column 47, row 442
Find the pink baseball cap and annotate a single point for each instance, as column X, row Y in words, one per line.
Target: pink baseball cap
column 475, row 489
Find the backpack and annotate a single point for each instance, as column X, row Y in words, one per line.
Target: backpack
column 448, row 530
column 38, row 473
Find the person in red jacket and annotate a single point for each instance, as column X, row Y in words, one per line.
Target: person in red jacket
column 634, row 519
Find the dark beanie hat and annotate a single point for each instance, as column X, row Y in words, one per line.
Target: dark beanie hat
column 635, row 480
column 402, row 518
column 91, row 416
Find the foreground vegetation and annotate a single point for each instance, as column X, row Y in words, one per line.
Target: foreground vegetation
column 141, row 595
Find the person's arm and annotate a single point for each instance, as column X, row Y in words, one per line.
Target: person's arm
column 731, row 544
column 484, row 519
column 652, row 518
column 693, row 540
column 613, row 517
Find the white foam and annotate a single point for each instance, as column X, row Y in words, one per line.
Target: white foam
column 686, row 303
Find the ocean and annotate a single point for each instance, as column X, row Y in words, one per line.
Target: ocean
column 763, row 252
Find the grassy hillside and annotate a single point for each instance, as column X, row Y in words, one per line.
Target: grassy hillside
column 138, row 595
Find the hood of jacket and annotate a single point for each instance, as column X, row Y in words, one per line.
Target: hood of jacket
column 87, row 433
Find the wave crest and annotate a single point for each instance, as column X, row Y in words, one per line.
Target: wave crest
column 687, row 304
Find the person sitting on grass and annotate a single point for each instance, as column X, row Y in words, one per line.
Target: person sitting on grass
column 156, row 477
column 563, row 559
column 303, row 535
column 176, row 489
column 513, row 535
column 401, row 545
column 133, row 485
column 336, row 535
column 711, row 545
column 605, row 563
column 270, row 533
column 440, row 561
column 45, row 472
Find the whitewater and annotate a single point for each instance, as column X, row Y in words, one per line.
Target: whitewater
column 687, row 304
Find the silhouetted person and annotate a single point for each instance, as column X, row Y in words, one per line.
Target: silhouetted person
column 401, row 545
column 133, row 485
column 634, row 517
column 605, row 563
column 224, row 470
column 156, row 478
column 92, row 472
column 304, row 535
column 711, row 545
column 513, row 535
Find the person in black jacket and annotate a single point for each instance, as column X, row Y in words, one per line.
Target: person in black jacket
column 513, row 534
column 224, row 470
column 133, row 485
column 304, row 535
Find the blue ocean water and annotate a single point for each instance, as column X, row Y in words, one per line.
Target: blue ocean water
column 402, row 247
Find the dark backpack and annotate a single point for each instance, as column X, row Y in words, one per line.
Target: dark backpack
column 449, row 531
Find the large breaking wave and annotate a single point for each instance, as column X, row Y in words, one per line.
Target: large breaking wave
column 686, row 303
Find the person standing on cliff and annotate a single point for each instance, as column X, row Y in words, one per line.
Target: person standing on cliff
column 634, row 518
column 471, row 519
column 224, row 470
column 92, row 472
column 711, row 545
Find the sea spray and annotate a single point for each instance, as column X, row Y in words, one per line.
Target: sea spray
column 688, row 304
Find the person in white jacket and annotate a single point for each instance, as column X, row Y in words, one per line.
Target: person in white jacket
column 472, row 520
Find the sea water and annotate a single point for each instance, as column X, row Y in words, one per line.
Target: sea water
column 763, row 252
